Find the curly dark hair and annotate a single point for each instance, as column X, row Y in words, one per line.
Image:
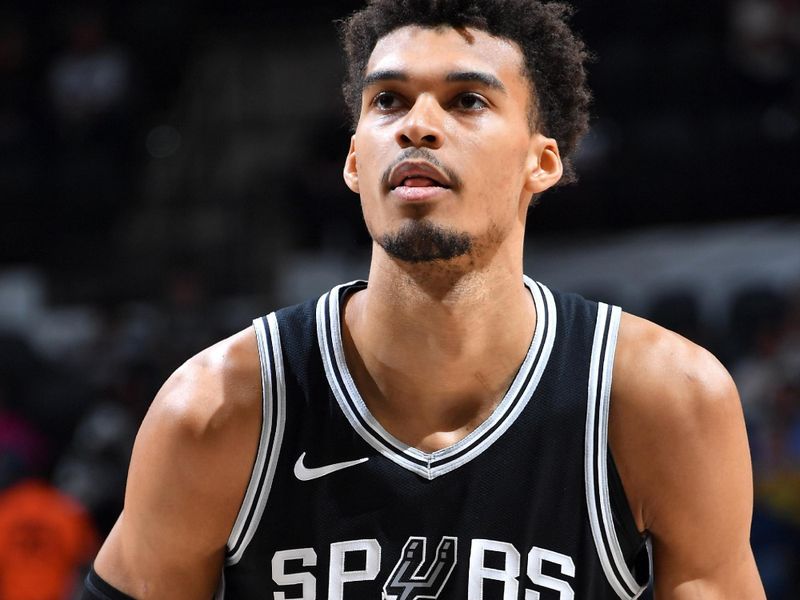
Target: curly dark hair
column 554, row 56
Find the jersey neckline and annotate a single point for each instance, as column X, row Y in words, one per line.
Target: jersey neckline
column 432, row 464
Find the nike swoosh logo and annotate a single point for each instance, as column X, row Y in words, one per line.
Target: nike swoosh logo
column 304, row 473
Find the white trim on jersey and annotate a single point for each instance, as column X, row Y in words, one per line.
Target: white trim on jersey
column 220, row 593
column 435, row 464
column 596, row 455
column 269, row 443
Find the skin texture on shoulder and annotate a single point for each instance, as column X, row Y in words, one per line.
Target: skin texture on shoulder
column 677, row 433
column 190, row 466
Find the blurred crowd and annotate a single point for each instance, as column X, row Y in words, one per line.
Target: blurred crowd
column 768, row 377
column 159, row 162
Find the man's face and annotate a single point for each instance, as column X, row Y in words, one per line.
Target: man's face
column 443, row 156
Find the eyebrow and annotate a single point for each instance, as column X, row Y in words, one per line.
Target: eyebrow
column 486, row 79
column 386, row 75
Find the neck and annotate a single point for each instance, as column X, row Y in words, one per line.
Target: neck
column 434, row 347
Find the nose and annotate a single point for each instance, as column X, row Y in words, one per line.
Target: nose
column 422, row 124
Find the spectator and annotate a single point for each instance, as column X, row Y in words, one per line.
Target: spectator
column 46, row 539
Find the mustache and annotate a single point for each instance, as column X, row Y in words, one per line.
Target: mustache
column 426, row 155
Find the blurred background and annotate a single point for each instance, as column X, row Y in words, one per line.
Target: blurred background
column 169, row 172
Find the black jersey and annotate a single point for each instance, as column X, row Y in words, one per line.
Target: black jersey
column 527, row 506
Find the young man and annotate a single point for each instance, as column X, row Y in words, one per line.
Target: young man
column 448, row 430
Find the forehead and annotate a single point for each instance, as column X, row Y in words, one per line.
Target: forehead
column 435, row 51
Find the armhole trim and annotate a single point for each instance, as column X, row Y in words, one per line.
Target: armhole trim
column 97, row 588
column 220, row 593
column 273, row 422
column 598, row 500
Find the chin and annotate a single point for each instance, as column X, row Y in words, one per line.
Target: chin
column 422, row 240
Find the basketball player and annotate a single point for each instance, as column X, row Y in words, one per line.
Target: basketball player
column 448, row 430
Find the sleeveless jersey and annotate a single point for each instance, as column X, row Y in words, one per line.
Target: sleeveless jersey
column 527, row 506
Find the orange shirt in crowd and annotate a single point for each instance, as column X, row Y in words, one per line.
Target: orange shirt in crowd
column 45, row 537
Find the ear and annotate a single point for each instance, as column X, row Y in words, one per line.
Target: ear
column 350, row 172
column 543, row 168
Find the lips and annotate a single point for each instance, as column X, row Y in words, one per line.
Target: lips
column 417, row 174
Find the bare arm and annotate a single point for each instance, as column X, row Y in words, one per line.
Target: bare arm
column 678, row 436
column 190, row 466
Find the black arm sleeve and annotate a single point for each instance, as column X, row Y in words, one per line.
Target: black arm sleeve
column 94, row 588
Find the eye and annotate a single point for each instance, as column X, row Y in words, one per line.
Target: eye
column 470, row 101
column 386, row 101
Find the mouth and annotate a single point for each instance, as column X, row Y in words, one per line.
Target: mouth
column 412, row 174
column 418, row 181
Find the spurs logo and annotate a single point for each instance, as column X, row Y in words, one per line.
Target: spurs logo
column 354, row 568
column 408, row 581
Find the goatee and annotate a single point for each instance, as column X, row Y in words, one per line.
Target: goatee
column 422, row 241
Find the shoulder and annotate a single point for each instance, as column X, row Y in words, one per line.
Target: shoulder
column 189, row 470
column 668, row 389
column 214, row 390
column 660, row 372
column 207, row 418
column 677, row 433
